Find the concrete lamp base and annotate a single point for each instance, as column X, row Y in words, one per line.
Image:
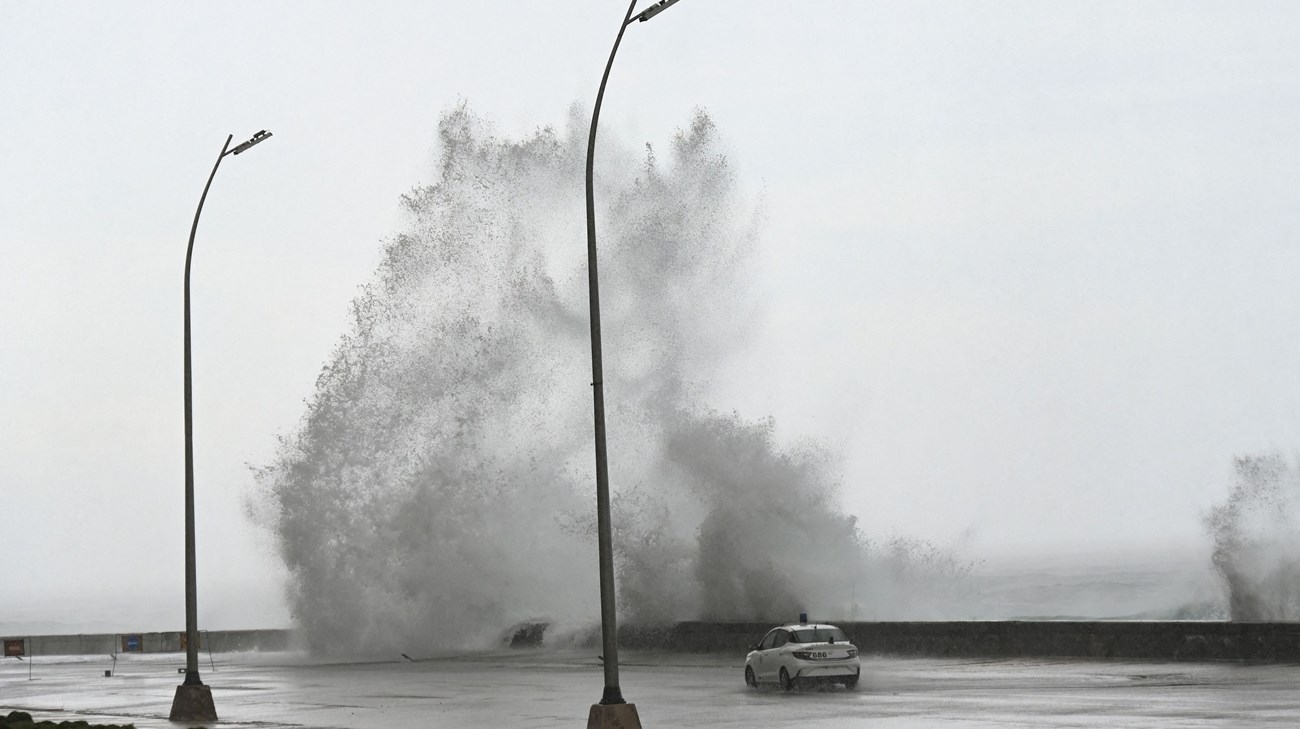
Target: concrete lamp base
column 613, row 716
column 193, row 702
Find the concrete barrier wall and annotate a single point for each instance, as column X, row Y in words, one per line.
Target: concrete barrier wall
column 1161, row 641
column 1165, row 641
column 216, row 641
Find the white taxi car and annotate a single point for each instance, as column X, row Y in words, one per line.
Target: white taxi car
column 803, row 652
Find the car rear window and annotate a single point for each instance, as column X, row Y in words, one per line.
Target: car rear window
column 819, row 635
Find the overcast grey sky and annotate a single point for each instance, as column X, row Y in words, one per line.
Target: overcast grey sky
column 1029, row 266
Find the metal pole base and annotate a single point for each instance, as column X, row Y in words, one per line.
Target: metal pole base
column 613, row 716
column 193, row 702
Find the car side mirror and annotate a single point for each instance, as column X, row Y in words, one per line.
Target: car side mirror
column 753, row 646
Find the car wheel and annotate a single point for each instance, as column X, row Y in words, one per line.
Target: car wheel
column 787, row 683
column 851, row 682
column 750, row 681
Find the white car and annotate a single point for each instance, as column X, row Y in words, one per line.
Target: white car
column 803, row 652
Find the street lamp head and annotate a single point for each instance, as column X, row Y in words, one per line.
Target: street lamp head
column 653, row 10
column 259, row 137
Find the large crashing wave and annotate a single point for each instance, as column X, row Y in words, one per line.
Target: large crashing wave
column 1256, row 534
column 440, row 486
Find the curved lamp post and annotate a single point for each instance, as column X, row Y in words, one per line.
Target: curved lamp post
column 193, row 701
column 612, row 710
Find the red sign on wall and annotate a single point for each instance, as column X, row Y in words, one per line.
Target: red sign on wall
column 15, row 647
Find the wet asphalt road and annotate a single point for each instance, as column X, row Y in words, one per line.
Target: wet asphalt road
column 555, row 689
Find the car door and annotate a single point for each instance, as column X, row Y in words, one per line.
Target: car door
column 776, row 656
column 763, row 670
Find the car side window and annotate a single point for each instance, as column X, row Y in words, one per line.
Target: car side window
column 782, row 638
column 769, row 641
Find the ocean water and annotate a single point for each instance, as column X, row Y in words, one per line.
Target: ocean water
column 1148, row 584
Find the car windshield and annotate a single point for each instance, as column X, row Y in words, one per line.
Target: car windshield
column 818, row 635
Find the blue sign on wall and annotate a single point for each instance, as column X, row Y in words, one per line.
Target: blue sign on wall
column 133, row 643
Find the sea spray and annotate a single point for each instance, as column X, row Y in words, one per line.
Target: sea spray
column 440, row 485
column 1256, row 534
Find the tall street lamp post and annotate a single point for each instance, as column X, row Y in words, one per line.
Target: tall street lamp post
column 193, row 700
column 612, row 711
